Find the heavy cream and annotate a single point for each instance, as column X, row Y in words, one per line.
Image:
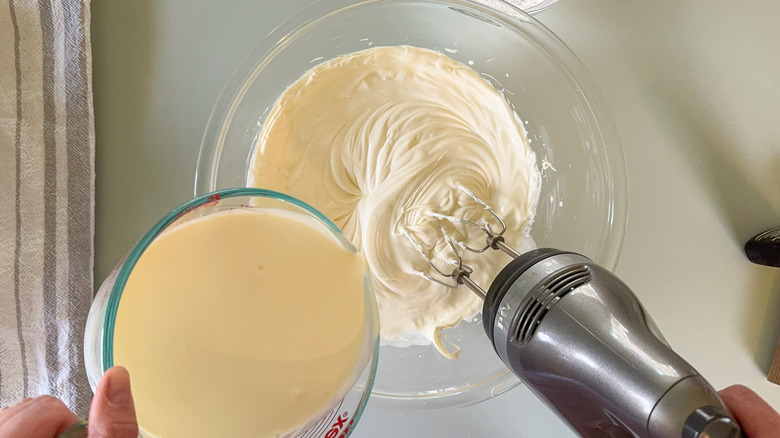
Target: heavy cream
column 244, row 323
column 380, row 141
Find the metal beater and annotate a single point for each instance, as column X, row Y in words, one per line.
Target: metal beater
column 582, row 342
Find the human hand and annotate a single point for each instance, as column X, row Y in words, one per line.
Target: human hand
column 754, row 415
column 112, row 413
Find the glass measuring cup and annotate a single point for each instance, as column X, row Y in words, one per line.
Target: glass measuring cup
column 338, row 417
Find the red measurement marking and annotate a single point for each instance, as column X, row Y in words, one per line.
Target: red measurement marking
column 340, row 427
column 346, row 429
column 212, row 200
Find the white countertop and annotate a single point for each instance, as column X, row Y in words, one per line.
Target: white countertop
column 693, row 85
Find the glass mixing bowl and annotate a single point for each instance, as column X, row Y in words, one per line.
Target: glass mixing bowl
column 582, row 206
column 340, row 415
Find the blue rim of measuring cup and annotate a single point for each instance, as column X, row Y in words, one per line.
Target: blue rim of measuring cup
column 132, row 258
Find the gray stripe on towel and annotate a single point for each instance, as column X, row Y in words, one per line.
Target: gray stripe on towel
column 49, row 198
column 18, row 199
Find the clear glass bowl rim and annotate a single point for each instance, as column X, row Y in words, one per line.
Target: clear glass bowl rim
column 230, row 98
column 224, row 107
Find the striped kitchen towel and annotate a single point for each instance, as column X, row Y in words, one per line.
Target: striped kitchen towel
column 47, row 193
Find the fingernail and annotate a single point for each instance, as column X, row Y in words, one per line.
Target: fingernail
column 119, row 387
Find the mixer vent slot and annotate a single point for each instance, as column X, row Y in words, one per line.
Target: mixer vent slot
column 544, row 296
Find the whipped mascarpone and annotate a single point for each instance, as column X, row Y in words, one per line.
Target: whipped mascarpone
column 382, row 139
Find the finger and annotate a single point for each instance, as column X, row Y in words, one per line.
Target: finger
column 7, row 411
column 112, row 414
column 43, row 416
column 757, row 418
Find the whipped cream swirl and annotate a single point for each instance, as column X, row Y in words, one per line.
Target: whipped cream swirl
column 380, row 141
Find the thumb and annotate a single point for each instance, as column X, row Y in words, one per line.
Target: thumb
column 757, row 418
column 112, row 414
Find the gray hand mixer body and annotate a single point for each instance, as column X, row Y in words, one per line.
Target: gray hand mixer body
column 582, row 342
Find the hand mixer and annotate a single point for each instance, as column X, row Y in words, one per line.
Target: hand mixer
column 583, row 343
